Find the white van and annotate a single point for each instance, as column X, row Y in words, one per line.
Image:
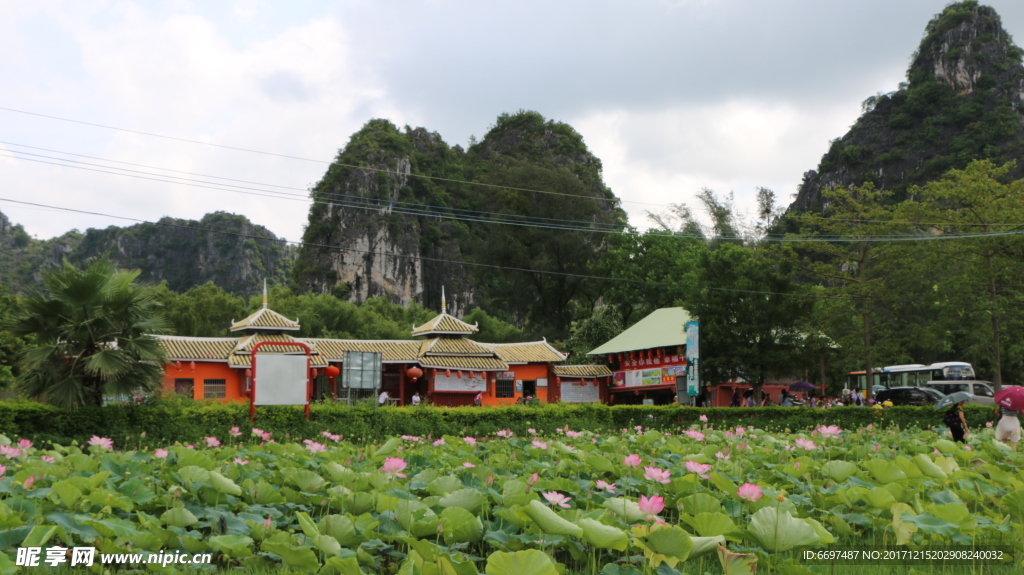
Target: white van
column 981, row 390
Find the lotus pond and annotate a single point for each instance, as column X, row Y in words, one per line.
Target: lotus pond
column 638, row 502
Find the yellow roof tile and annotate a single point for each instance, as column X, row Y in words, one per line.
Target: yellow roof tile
column 268, row 319
column 464, row 363
column 450, row 346
column 193, row 348
column 582, row 371
column 391, row 351
column 444, row 324
column 528, row 352
column 246, row 344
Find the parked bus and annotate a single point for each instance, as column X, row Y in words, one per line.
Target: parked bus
column 914, row 375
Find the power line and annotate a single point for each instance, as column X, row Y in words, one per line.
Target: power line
column 407, row 256
column 382, row 170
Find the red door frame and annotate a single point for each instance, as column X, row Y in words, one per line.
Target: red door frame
column 252, row 361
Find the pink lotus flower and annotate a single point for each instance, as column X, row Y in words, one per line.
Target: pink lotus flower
column 471, row 441
column 721, row 455
column 875, row 447
column 3, row 470
column 314, row 447
column 160, row 453
column 468, row 465
column 411, row 438
column 48, row 459
column 533, row 479
column 609, row 487
column 806, row 444
column 267, row 523
column 968, row 448
column 829, row 431
column 332, row 436
column 190, row 446
column 740, row 431
column 556, row 498
column 101, row 442
column 657, row 474
column 394, row 466
column 796, row 465
column 29, row 482
column 506, row 433
column 212, row 442
column 703, row 418
column 439, row 442
column 9, row 451
column 572, row 434
column 240, row 461
column 696, row 435
column 25, row 444
column 652, row 506
column 699, row 468
column 638, row 428
column 988, row 424
column 749, row 492
column 257, row 432
column 234, row 432
column 729, row 434
column 936, row 452
column 531, row 431
column 632, row 460
column 540, row 444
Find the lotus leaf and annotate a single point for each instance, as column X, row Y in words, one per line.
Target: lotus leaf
column 461, row 526
column 701, row 503
column 777, row 530
column 444, row 485
column 672, row 542
column 305, row 480
column 295, row 556
column 469, row 499
column 516, row 492
column 549, row 521
column 930, row 524
column 389, row 447
column 880, row 498
column 603, row 536
column 1013, row 503
column 223, row 484
column 884, row 471
column 705, row 545
column 232, row 545
column 178, row 517
column 39, row 535
column 627, row 509
column 529, row 561
column 68, row 493
column 711, row 524
column 838, row 470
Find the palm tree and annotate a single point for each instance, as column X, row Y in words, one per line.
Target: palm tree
column 91, row 337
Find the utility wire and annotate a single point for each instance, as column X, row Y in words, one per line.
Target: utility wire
column 407, row 256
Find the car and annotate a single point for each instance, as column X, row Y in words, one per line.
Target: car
column 909, row 396
column 981, row 390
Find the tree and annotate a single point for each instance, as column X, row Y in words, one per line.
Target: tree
column 91, row 336
column 590, row 333
column 10, row 344
column 749, row 311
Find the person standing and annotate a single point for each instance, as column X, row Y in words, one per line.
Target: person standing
column 382, row 398
column 957, row 422
column 735, row 401
column 784, row 399
column 416, row 399
column 479, row 399
column 1008, row 428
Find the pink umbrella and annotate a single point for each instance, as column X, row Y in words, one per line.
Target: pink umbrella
column 1011, row 398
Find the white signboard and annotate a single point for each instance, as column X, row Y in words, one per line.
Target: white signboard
column 443, row 382
column 573, row 392
column 281, row 379
column 634, row 378
column 542, row 382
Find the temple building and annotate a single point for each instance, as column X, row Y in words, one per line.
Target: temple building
column 442, row 364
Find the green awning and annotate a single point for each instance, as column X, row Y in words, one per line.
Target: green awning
column 665, row 327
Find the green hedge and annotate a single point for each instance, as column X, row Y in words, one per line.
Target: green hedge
column 167, row 422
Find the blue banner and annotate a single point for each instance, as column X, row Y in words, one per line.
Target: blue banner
column 692, row 358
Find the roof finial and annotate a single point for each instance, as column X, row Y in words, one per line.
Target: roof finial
column 264, row 293
column 444, row 306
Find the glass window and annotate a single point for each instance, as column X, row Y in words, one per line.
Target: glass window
column 504, row 388
column 982, row 390
column 214, row 388
column 183, row 387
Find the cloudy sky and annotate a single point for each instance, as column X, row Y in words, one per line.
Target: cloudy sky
column 672, row 95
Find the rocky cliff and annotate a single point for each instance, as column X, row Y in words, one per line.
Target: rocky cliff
column 394, row 216
column 226, row 249
column 963, row 100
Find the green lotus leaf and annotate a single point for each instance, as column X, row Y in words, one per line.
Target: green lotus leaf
column 947, row 464
column 777, row 530
column 1013, row 503
column 232, row 545
column 671, row 542
column 7, row 566
column 945, row 446
column 526, row 562
column 444, row 485
column 711, row 524
column 908, row 467
column 549, row 521
column 880, row 498
column 737, row 563
column 884, row 471
column 346, row 566
column 516, row 492
column 389, row 447
column 615, row 569
column 305, row 480
column 137, row 491
column 266, row 494
column 955, row 513
column 724, row 484
column 327, row 545
column 823, row 534
column 39, row 535
column 69, row 494
column 705, row 545
column 307, row 525
column 295, row 556
column 904, row 530
column 603, row 536
column 192, row 473
column 701, row 503
column 469, row 499
column 838, row 470
column 223, row 484
column 338, row 472
column 932, row 525
column 600, row 463
column 342, row 529
column 627, row 509
column 461, row 526
column 178, row 517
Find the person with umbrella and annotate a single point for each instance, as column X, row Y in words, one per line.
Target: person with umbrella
column 954, row 418
column 1009, row 402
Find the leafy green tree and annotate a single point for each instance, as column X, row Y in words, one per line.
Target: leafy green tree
column 10, row 344
column 91, row 336
column 587, row 334
column 203, row 311
column 750, row 312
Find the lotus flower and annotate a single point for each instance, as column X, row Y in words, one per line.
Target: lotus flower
column 101, row 442
column 721, row 455
column 699, row 468
column 234, row 432
column 875, row 447
column 632, row 460
column 573, row 434
column 531, row 431
column 749, row 492
column 160, row 453
column 212, row 442
column 658, row 474
column 740, row 431
column 314, row 447
column 695, row 435
column 806, row 444
column 257, row 432
column 556, row 498
column 468, row 465
column 471, row 441
column 609, row 487
column 394, row 466
column 540, row 444
column 48, row 459
column 411, row 438
column 267, row 523
column 9, row 451
column 3, row 470
column 506, row 433
column 533, row 479
column 652, row 506
column 704, row 418
column 439, row 442
column 29, row 482
column 25, row 444
column 829, row 431
column 240, row 461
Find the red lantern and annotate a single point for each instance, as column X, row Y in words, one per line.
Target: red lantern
column 414, row 373
column 611, row 358
column 458, row 374
column 447, row 373
column 192, row 365
column 177, row 364
column 661, row 352
column 558, row 381
column 248, row 372
column 632, row 355
column 332, row 371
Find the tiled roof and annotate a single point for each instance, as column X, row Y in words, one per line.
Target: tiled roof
column 391, row 351
column 464, row 363
column 528, row 352
column 267, row 319
column 450, row 346
column 245, row 360
column 582, row 371
column 444, row 324
column 190, row 348
column 246, row 344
